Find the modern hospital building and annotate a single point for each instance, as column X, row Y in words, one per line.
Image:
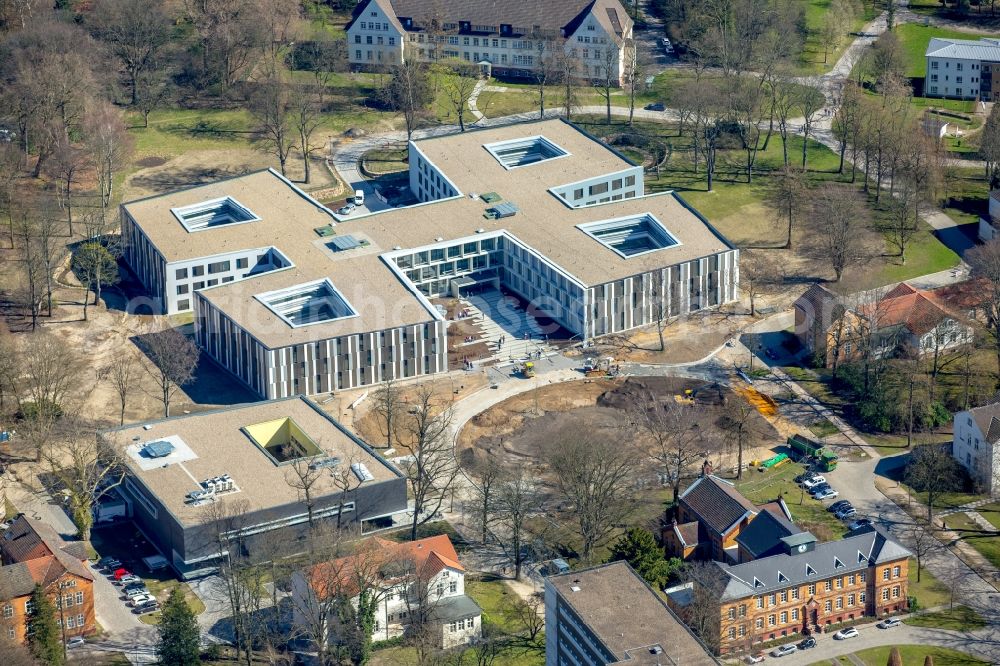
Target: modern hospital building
column 294, row 299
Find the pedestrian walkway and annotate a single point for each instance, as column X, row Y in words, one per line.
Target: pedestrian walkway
column 511, row 332
column 965, row 508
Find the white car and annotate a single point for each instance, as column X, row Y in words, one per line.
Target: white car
column 76, row 641
column 141, row 600
column 828, row 493
column 783, row 650
column 889, row 623
column 844, row 634
column 754, row 658
column 809, row 484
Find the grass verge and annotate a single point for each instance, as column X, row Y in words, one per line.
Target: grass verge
column 914, row 655
column 959, row 618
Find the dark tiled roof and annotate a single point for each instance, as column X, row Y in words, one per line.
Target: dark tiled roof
column 764, row 533
column 852, row 553
column 553, row 15
column 819, row 301
column 716, row 503
column 987, row 418
column 16, row 581
column 46, row 553
column 458, row 607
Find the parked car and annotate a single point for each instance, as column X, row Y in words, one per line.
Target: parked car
column 809, row 484
column 846, row 512
column 346, row 210
column 838, row 505
column 146, row 608
column 128, row 580
column 807, row 643
column 783, row 650
column 106, row 562
column 137, row 594
column 359, row 197
column 76, row 641
column 754, row 658
column 844, row 634
column 859, row 523
column 141, row 600
column 656, row 106
column 818, row 489
column 827, row 493
column 889, row 623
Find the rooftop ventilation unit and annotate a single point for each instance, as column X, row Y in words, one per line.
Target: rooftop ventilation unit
column 502, row 210
column 341, row 243
column 361, row 471
column 323, row 463
column 158, row 449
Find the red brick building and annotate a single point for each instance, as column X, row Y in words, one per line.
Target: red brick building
column 31, row 553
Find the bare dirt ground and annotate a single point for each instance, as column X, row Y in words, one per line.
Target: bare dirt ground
column 519, row 430
column 686, row 340
column 198, row 167
column 364, row 421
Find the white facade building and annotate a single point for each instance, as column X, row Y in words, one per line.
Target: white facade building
column 988, row 226
column 512, row 40
column 977, row 445
column 963, row 69
column 417, row 581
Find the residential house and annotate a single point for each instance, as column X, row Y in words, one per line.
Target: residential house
column 906, row 321
column 31, row 553
column 963, row 69
column 712, row 515
column 976, row 445
column 807, row 588
column 416, row 581
column 609, row 615
column 510, row 40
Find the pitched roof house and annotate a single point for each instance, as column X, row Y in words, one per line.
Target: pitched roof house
column 31, row 553
column 712, row 516
column 904, row 321
column 976, row 445
column 416, row 581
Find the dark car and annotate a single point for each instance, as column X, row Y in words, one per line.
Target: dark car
column 146, row 608
column 656, row 106
column 837, row 506
column 807, row 643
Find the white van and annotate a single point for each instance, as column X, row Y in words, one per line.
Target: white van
column 359, row 197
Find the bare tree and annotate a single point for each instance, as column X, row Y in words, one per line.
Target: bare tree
column 739, row 422
column 838, row 218
column 306, row 118
column 344, row 480
column 607, row 80
column 65, row 165
column 432, row 470
column 409, row 92
column 546, row 71
column 109, row 144
column 96, row 268
column 135, row 33
column 810, row 101
column 529, row 613
column 931, row 470
column 174, row 359
column 489, row 474
column 459, row 82
column 703, row 612
column 919, row 538
column 388, row 409
column 121, row 373
column 269, row 107
column 51, row 374
column 517, row 498
column 633, row 77
column 670, row 434
column 87, row 468
column 568, row 67
column 302, row 475
column 594, row 473
column 789, row 194
column 32, row 277
column 758, row 275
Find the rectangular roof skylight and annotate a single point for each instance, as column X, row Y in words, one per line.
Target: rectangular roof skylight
column 522, row 152
column 631, row 236
column 310, row 303
column 214, row 213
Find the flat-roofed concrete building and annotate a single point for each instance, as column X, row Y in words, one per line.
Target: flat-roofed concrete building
column 187, row 475
column 310, row 302
column 609, row 615
column 507, row 39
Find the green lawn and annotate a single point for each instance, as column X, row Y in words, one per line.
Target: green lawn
column 761, row 487
column 959, row 618
column 925, row 254
column 913, row 655
column 987, row 544
column 890, row 444
column 823, row 428
column 915, row 38
column 991, row 512
column 811, row 61
column 930, row 592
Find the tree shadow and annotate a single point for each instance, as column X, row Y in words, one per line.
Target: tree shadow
column 959, row 238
